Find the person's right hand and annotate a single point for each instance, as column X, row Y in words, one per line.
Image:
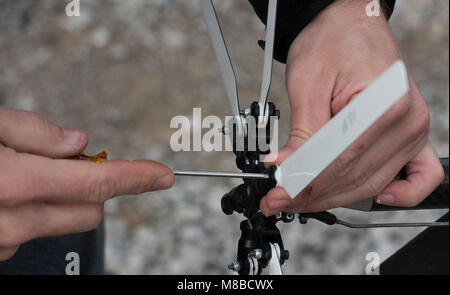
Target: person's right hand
column 42, row 194
column 340, row 53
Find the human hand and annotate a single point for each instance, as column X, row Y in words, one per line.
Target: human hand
column 42, row 194
column 334, row 58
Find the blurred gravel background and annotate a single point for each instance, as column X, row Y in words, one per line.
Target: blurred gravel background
column 123, row 69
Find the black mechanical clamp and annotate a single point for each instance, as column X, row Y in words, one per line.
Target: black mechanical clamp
column 257, row 231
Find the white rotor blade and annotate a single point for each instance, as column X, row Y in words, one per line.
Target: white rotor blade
column 268, row 55
column 306, row 163
column 222, row 55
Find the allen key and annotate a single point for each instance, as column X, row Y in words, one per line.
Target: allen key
column 221, row 174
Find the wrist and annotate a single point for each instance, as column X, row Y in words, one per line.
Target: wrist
column 342, row 20
column 362, row 11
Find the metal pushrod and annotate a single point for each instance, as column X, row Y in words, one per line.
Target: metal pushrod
column 221, row 174
column 377, row 225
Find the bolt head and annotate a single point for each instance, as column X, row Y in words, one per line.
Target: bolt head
column 304, row 220
column 257, row 253
column 285, row 255
column 235, row 266
column 246, row 112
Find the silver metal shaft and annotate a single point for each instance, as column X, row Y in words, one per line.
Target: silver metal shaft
column 221, row 174
column 377, row 225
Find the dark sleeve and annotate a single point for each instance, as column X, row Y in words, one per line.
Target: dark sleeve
column 293, row 16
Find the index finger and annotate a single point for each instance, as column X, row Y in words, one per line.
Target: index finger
column 31, row 178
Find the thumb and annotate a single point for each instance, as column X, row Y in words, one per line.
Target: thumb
column 296, row 139
column 29, row 132
column 310, row 110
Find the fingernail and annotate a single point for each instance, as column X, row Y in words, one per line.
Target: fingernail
column 385, row 199
column 73, row 137
column 164, row 182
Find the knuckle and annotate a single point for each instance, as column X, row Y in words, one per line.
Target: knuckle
column 356, row 177
column 41, row 128
column 343, row 168
column 400, row 108
column 422, row 120
column 141, row 186
column 37, row 123
column 375, row 187
column 101, row 191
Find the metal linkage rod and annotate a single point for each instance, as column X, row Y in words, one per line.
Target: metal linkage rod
column 221, row 174
column 378, row 225
column 331, row 219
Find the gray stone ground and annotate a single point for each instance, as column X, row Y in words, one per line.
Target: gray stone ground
column 123, row 69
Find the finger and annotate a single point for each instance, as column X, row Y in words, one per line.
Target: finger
column 275, row 201
column 390, row 148
column 375, row 185
column 322, row 194
column 41, row 219
column 31, row 133
column 339, row 183
column 7, row 253
column 424, row 174
column 33, row 178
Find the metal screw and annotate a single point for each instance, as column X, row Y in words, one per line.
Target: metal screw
column 246, row 112
column 304, row 220
column 235, row 266
column 257, row 253
column 285, row 255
